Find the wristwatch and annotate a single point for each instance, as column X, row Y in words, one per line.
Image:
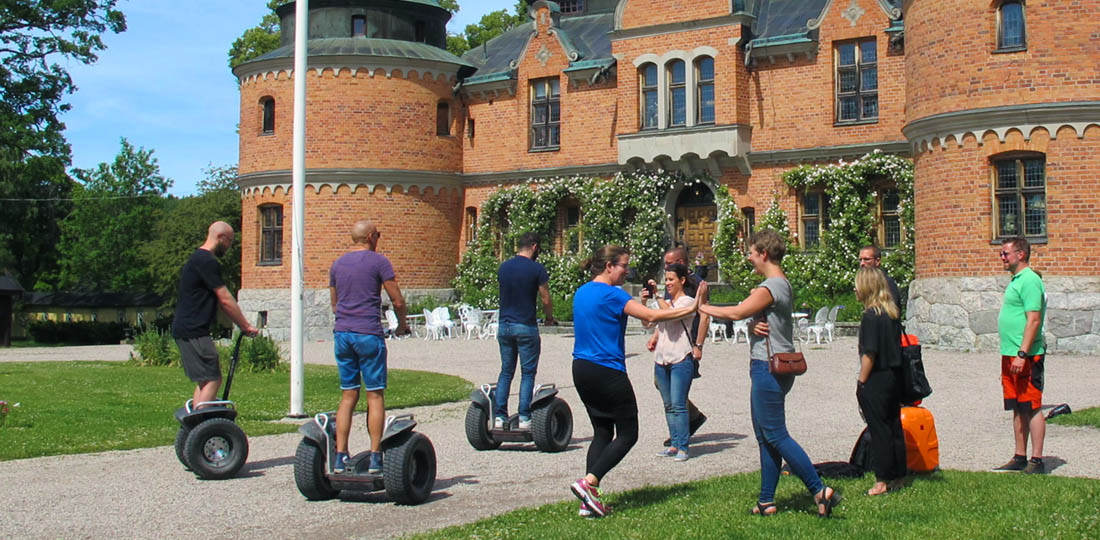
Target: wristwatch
column 700, row 345
column 1022, row 354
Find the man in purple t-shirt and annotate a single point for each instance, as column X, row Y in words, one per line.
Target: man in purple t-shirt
column 355, row 285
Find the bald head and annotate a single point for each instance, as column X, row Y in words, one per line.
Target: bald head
column 363, row 232
column 676, row 255
column 219, row 238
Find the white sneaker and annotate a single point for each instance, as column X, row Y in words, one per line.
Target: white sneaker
column 524, row 424
column 498, row 423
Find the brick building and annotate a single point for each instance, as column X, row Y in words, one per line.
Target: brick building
column 995, row 101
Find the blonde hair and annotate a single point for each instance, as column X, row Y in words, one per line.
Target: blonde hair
column 873, row 293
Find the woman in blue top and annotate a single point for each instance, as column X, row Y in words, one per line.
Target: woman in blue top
column 600, row 309
column 770, row 304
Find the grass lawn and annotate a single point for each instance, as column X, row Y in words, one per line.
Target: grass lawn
column 1084, row 417
column 950, row 504
column 78, row 407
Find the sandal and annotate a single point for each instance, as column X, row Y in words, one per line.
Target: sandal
column 761, row 510
column 827, row 503
column 874, row 492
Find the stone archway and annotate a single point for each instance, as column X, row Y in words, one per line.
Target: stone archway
column 695, row 221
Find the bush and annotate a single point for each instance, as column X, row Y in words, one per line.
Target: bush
column 78, row 333
column 155, row 348
column 258, row 354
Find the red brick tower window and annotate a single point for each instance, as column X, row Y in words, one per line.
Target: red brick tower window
column 443, row 119
column 268, row 121
column 889, row 224
column 571, row 6
column 1020, row 196
column 647, row 76
column 856, row 82
column 1011, row 26
column 271, row 234
column 704, row 90
column 545, row 114
column 471, row 224
column 677, row 93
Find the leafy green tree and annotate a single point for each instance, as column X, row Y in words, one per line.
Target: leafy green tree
column 457, row 44
column 258, row 40
column 183, row 228
column 35, row 36
column 491, row 25
column 114, row 210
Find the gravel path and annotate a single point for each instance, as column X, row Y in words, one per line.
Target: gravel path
column 147, row 494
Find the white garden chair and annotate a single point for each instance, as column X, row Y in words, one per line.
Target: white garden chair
column 803, row 330
column 740, row 327
column 391, row 324
column 443, row 319
column 491, row 326
column 830, row 323
column 717, row 329
column 432, row 330
column 471, row 321
column 818, row 327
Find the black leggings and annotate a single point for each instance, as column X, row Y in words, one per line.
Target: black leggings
column 612, row 408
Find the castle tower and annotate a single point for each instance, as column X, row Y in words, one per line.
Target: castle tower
column 383, row 142
column 1003, row 112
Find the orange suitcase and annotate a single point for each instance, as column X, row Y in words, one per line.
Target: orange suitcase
column 922, row 447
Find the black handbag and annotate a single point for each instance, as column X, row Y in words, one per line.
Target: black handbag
column 914, row 382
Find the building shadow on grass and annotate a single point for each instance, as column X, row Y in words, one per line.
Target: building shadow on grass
column 653, row 495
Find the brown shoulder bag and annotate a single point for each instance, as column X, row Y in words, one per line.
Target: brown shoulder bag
column 792, row 363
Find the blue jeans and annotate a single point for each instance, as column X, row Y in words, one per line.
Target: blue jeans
column 517, row 340
column 769, row 422
column 674, row 383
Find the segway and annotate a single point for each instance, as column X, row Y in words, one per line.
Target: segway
column 209, row 442
column 551, row 421
column 408, row 462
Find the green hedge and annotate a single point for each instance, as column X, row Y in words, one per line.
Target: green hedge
column 79, row 332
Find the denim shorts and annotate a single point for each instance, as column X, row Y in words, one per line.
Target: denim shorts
column 361, row 355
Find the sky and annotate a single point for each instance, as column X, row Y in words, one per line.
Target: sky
column 165, row 85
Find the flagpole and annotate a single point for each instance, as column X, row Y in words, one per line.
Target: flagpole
column 297, row 368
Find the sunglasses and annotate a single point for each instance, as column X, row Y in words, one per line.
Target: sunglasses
column 1007, row 253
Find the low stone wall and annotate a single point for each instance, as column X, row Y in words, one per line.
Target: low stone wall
column 316, row 307
column 961, row 313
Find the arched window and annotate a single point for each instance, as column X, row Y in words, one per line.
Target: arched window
column 704, row 90
column 1011, row 28
column 677, row 93
column 271, row 234
column 443, row 119
column 268, row 122
column 647, row 80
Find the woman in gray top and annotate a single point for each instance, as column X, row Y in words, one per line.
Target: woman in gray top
column 770, row 306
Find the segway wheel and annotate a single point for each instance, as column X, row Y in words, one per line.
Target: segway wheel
column 408, row 469
column 309, row 472
column 552, row 426
column 477, row 429
column 216, row 449
column 181, row 440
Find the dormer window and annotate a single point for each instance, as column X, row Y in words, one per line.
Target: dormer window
column 571, row 6
column 358, row 26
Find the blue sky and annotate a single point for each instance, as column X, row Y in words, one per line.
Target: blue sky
column 164, row 84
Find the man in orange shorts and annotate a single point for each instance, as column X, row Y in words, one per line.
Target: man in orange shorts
column 1022, row 349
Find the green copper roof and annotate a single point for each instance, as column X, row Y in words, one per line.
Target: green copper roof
column 361, row 46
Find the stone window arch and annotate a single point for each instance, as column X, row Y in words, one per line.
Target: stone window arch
column 267, row 115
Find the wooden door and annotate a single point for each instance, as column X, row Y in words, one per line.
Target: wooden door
column 695, row 228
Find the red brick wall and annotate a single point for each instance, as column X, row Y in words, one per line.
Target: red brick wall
column 952, row 67
column 638, row 13
column 792, row 104
column 353, row 122
column 420, row 234
column 954, row 208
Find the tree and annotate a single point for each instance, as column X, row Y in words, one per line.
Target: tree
column 33, row 152
column 183, row 228
column 491, row 25
column 114, row 210
column 258, row 40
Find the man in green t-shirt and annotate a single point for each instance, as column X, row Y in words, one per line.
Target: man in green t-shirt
column 1022, row 350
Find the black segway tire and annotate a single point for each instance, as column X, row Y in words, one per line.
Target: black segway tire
column 181, row 439
column 309, row 472
column 477, row 429
column 216, row 449
column 552, row 426
column 408, row 469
